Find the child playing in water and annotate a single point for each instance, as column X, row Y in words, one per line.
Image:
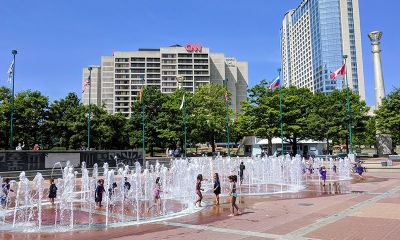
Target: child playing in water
column 111, row 189
column 233, row 194
column 5, row 188
column 199, row 189
column 52, row 191
column 360, row 170
column 99, row 192
column 127, row 187
column 156, row 196
column 323, row 174
column 311, row 169
column 217, row 188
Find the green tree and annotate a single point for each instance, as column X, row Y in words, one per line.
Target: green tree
column 260, row 114
column 31, row 113
column 296, row 105
column 62, row 114
column 99, row 129
column 368, row 136
column 114, row 131
column 318, row 120
column 153, row 100
column 5, row 111
column 208, row 115
column 339, row 117
column 388, row 115
column 170, row 121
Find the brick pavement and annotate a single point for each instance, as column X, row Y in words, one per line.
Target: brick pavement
column 369, row 210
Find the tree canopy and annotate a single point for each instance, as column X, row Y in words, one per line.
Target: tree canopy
column 388, row 115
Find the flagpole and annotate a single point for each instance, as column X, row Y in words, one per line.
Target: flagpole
column 184, row 125
column 89, row 110
column 180, row 80
column 348, row 106
column 142, row 113
column 280, row 110
column 14, row 52
column 227, row 118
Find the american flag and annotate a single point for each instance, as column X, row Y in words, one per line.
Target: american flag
column 86, row 85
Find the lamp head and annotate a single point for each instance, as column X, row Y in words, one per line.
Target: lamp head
column 14, row 52
column 90, row 68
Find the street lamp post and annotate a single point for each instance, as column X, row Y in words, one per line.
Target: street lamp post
column 227, row 117
column 142, row 123
column 348, row 107
column 14, row 52
column 280, row 111
column 89, row 110
column 180, row 80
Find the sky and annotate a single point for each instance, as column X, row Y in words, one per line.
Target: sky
column 56, row 39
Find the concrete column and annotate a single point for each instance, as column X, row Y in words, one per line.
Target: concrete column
column 376, row 54
column 384, row 141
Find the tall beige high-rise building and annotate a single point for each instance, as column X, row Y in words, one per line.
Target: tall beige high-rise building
column 314, row 38
column 116, row 82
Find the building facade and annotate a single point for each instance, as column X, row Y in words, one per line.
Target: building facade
column 117, row 81
column 314, row 38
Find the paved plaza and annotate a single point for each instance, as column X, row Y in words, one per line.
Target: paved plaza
column 356, row 209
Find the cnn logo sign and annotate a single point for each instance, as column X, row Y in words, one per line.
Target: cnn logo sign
column 193, row 47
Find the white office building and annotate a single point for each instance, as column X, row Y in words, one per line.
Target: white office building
column 116, row 82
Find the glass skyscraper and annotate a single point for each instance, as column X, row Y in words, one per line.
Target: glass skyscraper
column 314, row 38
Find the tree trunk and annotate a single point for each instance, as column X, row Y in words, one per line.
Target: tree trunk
column 327, row 147
column 269, row 146
column 151, row 151
column 294, row 146
column 213, row 142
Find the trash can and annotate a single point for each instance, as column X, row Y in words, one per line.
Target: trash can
column 384, row 164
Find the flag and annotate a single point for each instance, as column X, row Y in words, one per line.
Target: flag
column 140, row 94
column 226, row 96
column 10, row 72
column 86, row 84
column 276, row 83
column 183, row 102
column 340, row 71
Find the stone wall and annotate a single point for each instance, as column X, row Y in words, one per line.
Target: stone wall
column 40, row 160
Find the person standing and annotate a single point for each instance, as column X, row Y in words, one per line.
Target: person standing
column 127, row 187
column 242, row 167
column 233, row 195
column 36, row 147
column 52, row 191
column 99, row 192
column 217, row 188
column 322, row 171
column 20, row 147
column 156, row 196
column 5, row 190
